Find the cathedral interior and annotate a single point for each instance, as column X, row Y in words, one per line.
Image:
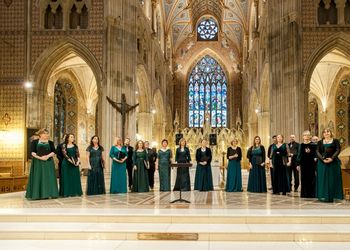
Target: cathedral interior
column 213, row 69
column 245, row 67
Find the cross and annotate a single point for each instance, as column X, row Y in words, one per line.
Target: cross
column 123, row 109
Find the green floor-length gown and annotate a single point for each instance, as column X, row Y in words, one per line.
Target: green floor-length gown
column 164, row 169
column 329, row 185
column 257, row 175
column 140, row 181
column 71, row 183
column 234, row 171
column 42, row 182
column 118, row 175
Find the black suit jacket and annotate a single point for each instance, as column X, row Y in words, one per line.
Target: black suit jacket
column 130, row 150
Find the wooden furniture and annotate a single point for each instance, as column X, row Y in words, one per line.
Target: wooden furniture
column 13, row 184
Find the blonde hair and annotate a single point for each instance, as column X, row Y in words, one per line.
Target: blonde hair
column 235, row 139
column 307, row 132
column 116, row 139
column 42, row 131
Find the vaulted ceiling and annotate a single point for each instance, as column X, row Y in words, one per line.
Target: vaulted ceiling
column 181, row 17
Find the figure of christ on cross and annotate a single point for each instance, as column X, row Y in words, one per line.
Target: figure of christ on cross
column 123, row 108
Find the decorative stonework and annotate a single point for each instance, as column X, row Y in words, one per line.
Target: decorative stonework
column 342, row 111
column 12, row 127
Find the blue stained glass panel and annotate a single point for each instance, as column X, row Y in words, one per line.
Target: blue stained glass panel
column 201, row 97
column 190, row 118
column 207, row 93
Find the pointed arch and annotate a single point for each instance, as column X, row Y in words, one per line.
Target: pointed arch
column 55, row 54
column 339, row 41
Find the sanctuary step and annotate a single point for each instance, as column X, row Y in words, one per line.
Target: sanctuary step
column 176, row 224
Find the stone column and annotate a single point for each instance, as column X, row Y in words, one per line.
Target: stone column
column 145, row 125
column 154, row 16
column 263, row 127
column 284, row 52
column 120, row 66
column 341, row 8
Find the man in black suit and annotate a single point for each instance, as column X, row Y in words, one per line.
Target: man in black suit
column 152, row 157
column 269, row 154
column 292, row 170
column 129, row 163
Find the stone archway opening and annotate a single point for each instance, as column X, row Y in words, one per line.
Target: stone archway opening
column 327, row 96
column 71, row 100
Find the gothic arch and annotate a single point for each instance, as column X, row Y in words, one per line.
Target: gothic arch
column 339, row 41
column 207, row 51
column 55, row 54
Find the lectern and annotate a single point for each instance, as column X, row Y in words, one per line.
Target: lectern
column 180, row 165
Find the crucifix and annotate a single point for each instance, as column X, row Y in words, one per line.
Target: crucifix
column 123, row 108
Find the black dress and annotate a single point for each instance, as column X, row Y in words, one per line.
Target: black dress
column 306, row 161
column 182, row 174
column 279, row 161
column 129, row 164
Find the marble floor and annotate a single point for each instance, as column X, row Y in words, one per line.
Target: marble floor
column 217, row 199
column 222, row 221
column 214, row 199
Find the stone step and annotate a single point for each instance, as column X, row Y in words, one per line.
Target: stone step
column 177, row 216
column 168, row 231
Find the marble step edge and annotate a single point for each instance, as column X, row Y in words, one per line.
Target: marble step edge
column 178, row 219
column 245, row 236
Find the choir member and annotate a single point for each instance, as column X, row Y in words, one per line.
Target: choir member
column 292, row 170
column 96, row 164
column 129, row 163
column 269, row 154
column 182, row 155
column 329, row 185
column 163, row 166
column 60, row 158
column 306, row 162
column 203, row 178
column 42, row 183
column 280, row 162
column 152, row 158
column 118, row 155
column 71, row 183
column 140, row 182
column 234, row 172
column 257, row 176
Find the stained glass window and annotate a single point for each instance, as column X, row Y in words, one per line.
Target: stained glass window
column 59, row 113
column 207, row 94
column 207, row 30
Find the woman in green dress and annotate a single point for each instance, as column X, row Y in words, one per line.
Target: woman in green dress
column 203, row 180
column 96, row 179
column 329, row 185
column 118, row 176
column 71, row 183
column 257, row 175
column 42, row 183
column 234, row 172
column 140, row 181
column 163, row 166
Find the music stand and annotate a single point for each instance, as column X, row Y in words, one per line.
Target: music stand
column 180, row 165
